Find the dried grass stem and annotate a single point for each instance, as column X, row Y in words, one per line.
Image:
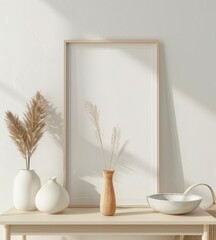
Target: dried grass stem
column 93, row 113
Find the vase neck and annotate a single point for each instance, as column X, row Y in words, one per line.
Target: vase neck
column 108, row 174
column 53, row 179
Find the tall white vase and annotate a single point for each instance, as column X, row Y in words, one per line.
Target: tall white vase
column 52, row 197
column 26, row 185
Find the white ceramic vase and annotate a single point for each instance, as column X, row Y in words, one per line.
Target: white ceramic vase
column 52, row 197
column 26, row 185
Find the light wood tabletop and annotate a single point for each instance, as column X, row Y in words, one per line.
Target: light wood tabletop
column 85, row 221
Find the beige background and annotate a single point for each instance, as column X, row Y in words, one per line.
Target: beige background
column 31, row 58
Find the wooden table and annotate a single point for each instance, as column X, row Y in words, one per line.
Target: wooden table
column 88, row 221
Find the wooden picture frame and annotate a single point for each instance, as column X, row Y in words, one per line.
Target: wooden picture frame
column 122, row 78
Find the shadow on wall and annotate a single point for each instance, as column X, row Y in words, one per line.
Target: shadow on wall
column 12, row 92
column 72, row 10
column 55, row 125
column 171, row 171
column 86, row 183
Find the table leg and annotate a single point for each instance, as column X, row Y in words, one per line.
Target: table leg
column 205, row 235
column 6, row 232
column 181, row 237
column 23, row 237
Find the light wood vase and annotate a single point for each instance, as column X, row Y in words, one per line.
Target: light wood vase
column 107, row 199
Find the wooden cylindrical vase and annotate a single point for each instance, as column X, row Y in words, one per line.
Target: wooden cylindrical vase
column 107, row 199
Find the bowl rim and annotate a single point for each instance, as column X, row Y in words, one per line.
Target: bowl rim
column 198, row 198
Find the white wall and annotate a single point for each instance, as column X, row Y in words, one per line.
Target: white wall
column 31, row 59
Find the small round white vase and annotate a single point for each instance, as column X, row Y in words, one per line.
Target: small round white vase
column 26, row 185
column 52, row 198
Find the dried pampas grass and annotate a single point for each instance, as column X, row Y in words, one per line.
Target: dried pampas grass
column 27, row 133
column 94, row 116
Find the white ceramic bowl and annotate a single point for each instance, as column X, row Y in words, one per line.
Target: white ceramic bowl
column 174, row 203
